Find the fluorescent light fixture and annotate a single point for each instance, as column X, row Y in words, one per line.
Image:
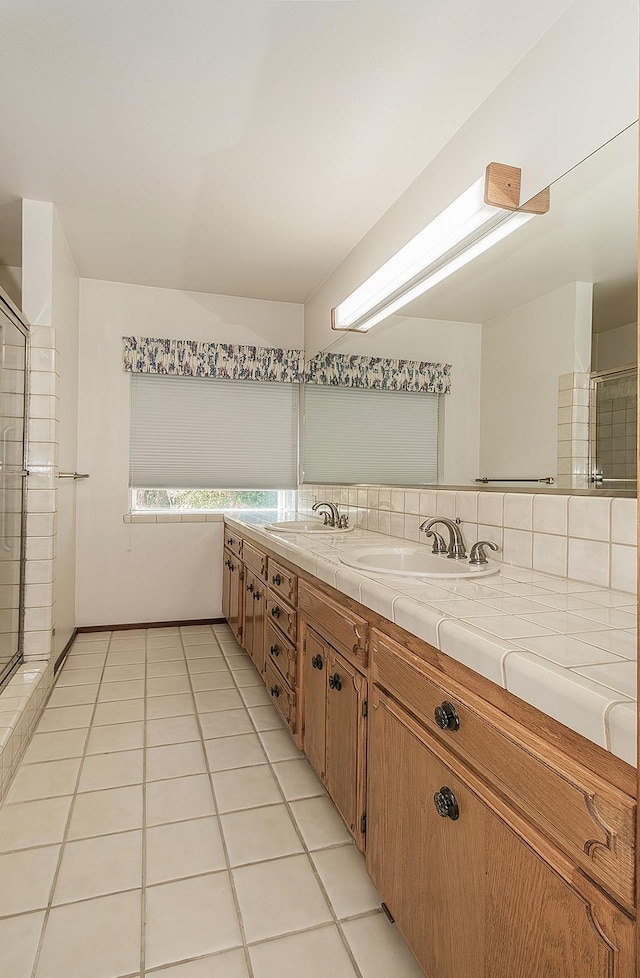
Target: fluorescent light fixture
column 464, row 230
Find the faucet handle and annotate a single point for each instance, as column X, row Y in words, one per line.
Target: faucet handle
column 477, row 556
column 439, row 546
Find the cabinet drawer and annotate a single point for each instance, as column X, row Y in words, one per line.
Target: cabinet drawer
column 282, row 654
column 282, row 696
column 343, row 629
column 592, row 821
column 232, row 541
column 283, row 583
column 280, row 614
column 255, row 560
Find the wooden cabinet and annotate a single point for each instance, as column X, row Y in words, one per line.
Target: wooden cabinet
column 233, row 593
column 467, row 886
column 255, row 601
column 334, row 733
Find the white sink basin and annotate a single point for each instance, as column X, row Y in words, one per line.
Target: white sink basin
column 414, row 562
column 305, row 526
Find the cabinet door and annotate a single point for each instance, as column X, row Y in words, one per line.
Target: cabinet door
column 249, row 610
column 259, row 602
column 236, row 597
column 469, row 895
column 345, row 740
column 314, row 681
column 226, row 584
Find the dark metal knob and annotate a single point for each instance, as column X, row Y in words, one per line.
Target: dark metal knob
column 249, row 587
column 256, row 595
column 446, row 716
column 317, row 662
column 232, row 567
column 275, row 650
column 276, row 579
column 275, row 691
column 275, row 611
column 335, row 682
column 227, row 563
column 446, row 804
column 230, row 541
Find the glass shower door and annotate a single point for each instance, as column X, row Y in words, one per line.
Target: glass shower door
column 613, row 426
column 13, row 372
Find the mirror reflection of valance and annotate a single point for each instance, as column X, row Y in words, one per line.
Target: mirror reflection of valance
column 384, row 373
column 226, row 361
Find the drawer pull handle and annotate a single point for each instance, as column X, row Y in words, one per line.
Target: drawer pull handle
column 446, row 804
column 335, row 682
column 446, row 716
column 275, row 650
column 227, row 563
column 256, row 595
column 250, row 587
column 277, row 580
column 275, row 691
column 232, row 567
column 316, row 662
column 230, row 541
column 275, row 611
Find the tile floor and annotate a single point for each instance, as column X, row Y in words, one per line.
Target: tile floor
column 163, row 823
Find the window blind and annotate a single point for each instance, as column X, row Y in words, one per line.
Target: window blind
column 201, row 433
column 353, row 435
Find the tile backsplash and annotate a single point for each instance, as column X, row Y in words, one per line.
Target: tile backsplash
column 591, row 539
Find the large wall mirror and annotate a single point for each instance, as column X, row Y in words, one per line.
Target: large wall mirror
column 541, row 335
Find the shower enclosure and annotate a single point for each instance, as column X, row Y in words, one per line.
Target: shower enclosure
column 13, row 404
column 613, row 427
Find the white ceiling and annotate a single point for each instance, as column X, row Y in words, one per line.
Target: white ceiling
column 238, row 146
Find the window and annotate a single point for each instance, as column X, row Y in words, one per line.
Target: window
column 203, row 443
column 354, row 435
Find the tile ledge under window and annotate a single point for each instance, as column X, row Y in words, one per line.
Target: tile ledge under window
column 173, row 518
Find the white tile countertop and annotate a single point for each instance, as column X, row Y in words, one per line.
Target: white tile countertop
column 566, row 647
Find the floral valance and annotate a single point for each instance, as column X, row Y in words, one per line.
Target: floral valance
column 226, row 361
column 385, row 373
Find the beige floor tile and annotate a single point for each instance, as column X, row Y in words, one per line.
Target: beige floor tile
column 197, row 638
column 26, row 878
column 170, row 667
column 78, row 677
column 125, row 644
column 101, row 812
column 33, row 823
column 116, row 737
column 165, row 653
column 165, row 642
column 279, row 745
column 211, row 664
column 19, row 937
column 231, row 752
column 132, row 689
column 228, row 723
column 319, row 823
column 255, row 696
column 257, row 834
column 226, row 964
column 298, row 779
column 46, row 780
column 379, row 949
column 85, row 660
column 128, row 658
column 95, row 867
column 125, row 634
column 248, row 787
column 179, row 799
column 91, row 641
column 266, row 718
column 100, row 938
column 314, row 954
column 172, row 730
column 55, row 746
column 112, row 770
column 218, row 699
column 168, row 685
column 65, row 718
column 120, row 711
column 190, row 917
column 210, row 650
column 170, row 706
column 184, row 849
column 344, row 877
column 122, row 673
column 248, row 677
column 73, row 695
column 212, row 680
column 175, row 760
column 279, row 896
column 240, row 661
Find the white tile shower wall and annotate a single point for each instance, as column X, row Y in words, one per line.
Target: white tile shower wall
column 21, row 703
column 590, row 539
column 573, row 431
column 41, row 507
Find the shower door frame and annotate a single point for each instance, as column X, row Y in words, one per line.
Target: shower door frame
column 11, row 311
column 597, row 377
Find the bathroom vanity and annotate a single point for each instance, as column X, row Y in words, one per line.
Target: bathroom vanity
column 501, row 841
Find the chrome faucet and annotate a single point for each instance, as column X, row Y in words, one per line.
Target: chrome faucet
column 456, row 549
column 332, row 517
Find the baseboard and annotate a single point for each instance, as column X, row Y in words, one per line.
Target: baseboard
column 65, row 652
column 150, row 624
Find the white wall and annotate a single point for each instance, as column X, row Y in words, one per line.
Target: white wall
column 615, row 347
column 524, row 352
column 576, row 89
column 148, row 572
